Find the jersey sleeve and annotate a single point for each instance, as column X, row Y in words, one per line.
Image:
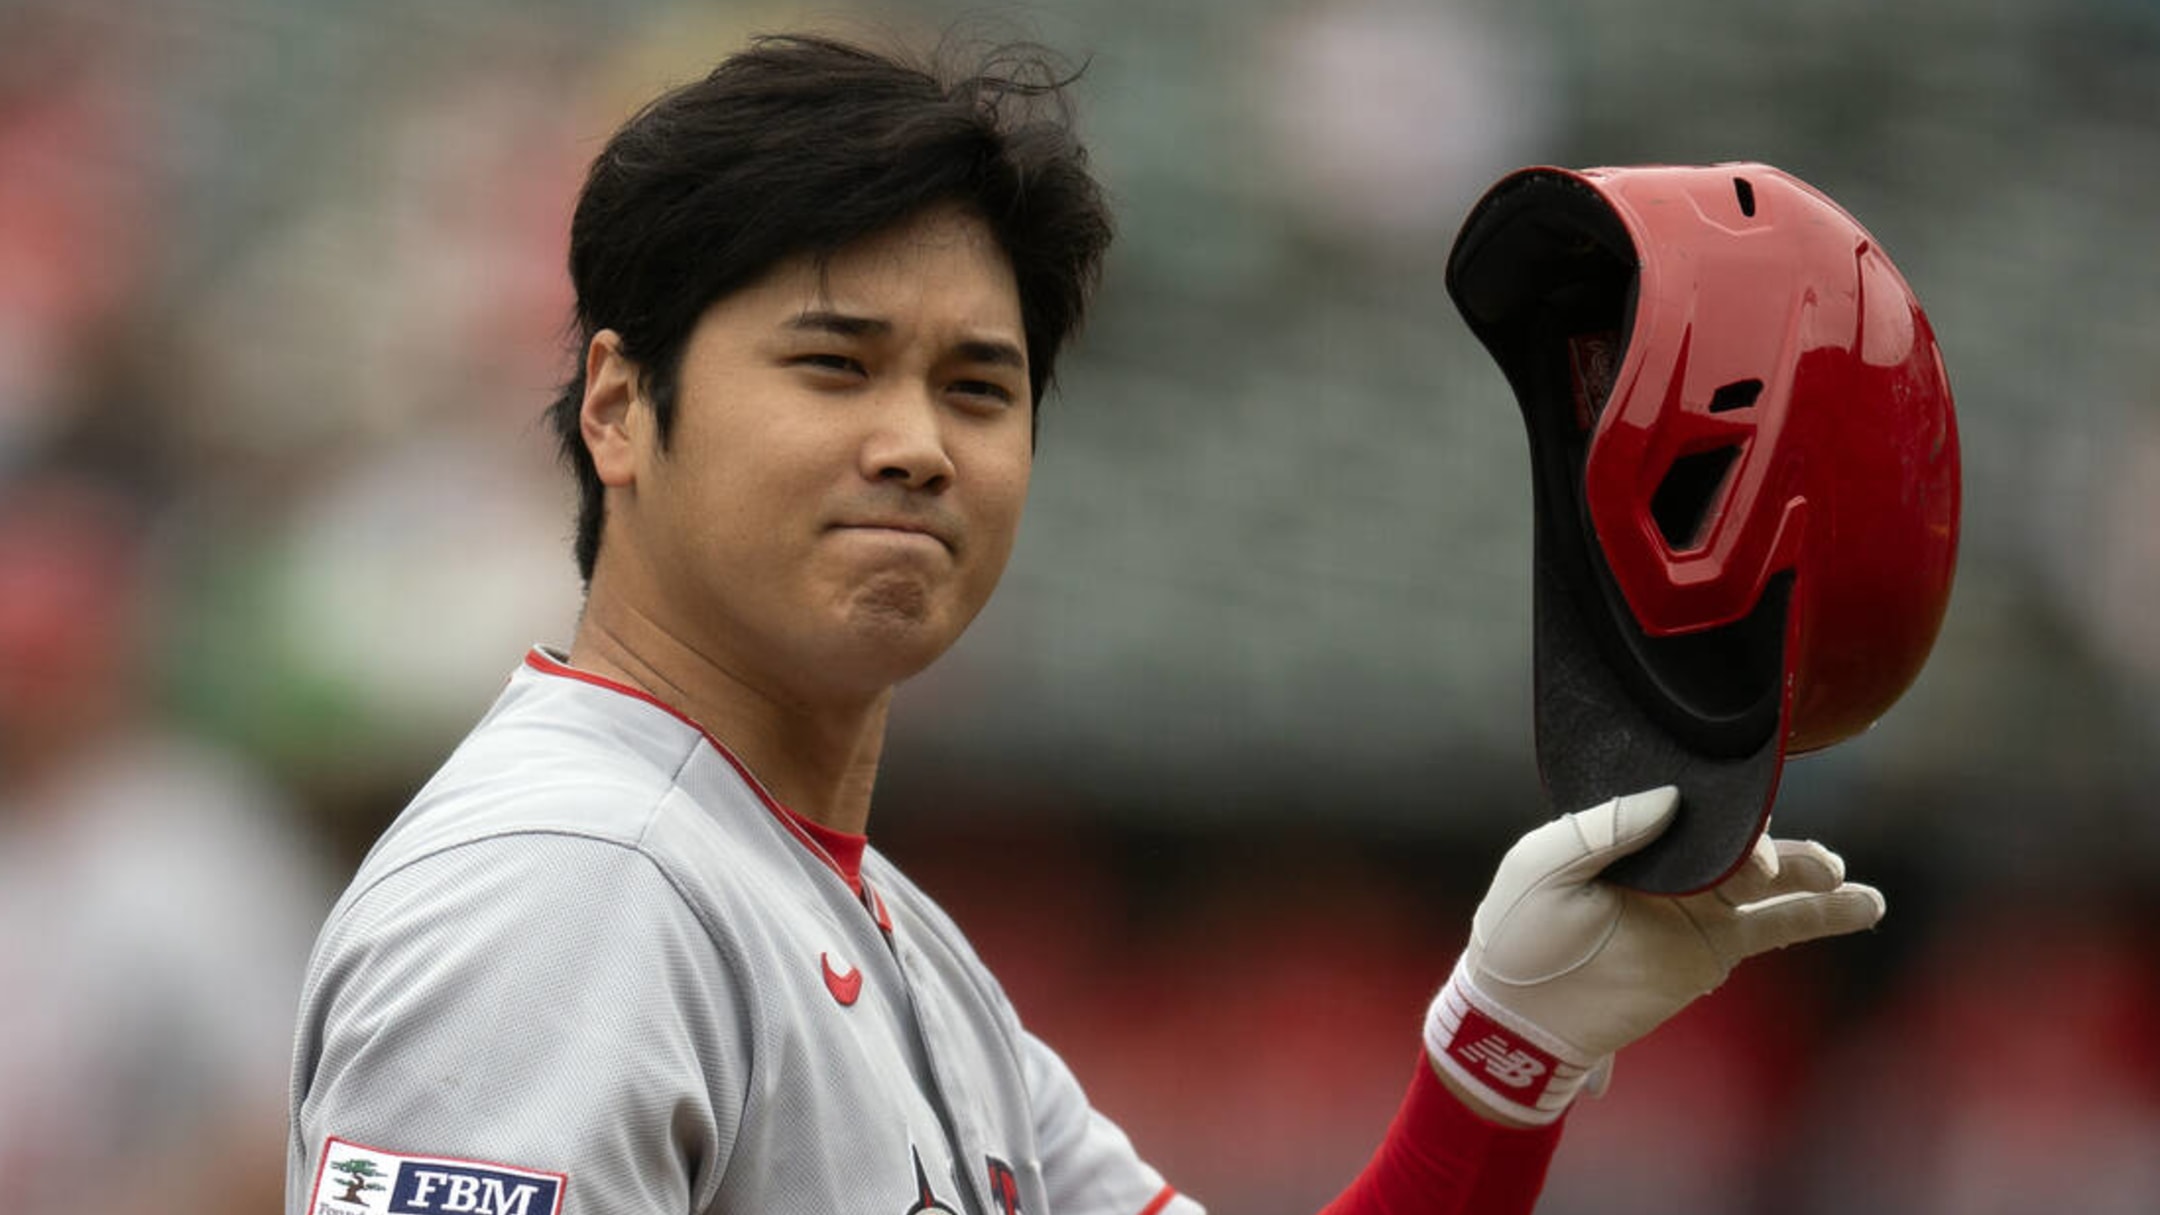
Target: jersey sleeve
column 1439, row 1158
column 1089, row 1166
column 521, row 1018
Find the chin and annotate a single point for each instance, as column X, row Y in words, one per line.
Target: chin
column 889, row 627
column 884, row 646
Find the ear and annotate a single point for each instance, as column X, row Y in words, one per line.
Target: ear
column 611, row 418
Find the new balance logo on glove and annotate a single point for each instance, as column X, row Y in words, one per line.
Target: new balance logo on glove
column 1514, row 1068
column 1485, row 1052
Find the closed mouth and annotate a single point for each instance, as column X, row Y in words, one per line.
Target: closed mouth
column 894, row 525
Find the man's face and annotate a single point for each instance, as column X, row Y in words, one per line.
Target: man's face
column 846, row 470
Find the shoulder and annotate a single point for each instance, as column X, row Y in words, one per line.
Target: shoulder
column 570, row 798
column 553, row 756
column 542, row 837
column 539, row 904
column 521, row 998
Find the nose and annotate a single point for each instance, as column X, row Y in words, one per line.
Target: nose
column 906, row 444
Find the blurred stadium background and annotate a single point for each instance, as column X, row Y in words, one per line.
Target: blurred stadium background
column 1217, row 779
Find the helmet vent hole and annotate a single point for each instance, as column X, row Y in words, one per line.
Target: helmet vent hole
column 1746, row 193
column 1737, row 395
column 1682, row 502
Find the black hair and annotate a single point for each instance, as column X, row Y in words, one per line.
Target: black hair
column 802, row 145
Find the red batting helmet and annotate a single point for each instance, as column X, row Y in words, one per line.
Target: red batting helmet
column 1746, row 481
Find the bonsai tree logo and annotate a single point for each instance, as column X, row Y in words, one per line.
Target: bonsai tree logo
column 360, row 1174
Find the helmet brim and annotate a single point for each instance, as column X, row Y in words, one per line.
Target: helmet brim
column 1595, row 742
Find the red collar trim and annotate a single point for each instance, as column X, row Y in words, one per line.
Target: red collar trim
column 841, row 851
column 845, row 848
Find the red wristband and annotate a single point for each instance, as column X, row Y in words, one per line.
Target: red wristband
column 1440, row 1157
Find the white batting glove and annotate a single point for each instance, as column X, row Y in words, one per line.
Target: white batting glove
column 1562, row 969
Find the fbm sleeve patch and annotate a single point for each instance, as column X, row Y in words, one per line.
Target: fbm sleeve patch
column 358, row 1180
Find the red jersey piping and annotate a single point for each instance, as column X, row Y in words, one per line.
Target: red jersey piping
column 1162, row 1199
column 840, row 851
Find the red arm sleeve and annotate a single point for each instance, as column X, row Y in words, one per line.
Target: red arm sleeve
column 1439, row 1158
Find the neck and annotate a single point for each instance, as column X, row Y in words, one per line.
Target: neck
column 817, row 757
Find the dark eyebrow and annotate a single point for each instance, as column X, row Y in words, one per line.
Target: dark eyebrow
column 997, row 354
column 841, row 324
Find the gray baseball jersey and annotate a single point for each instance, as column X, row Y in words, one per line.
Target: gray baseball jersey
column 594, row 969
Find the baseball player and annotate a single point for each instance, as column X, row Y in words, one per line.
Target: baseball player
column 629, row 951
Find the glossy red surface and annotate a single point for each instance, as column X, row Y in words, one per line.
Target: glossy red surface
column 1847, row 467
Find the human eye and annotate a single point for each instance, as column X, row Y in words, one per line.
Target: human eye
column 988, row 393
column 840, row 364
column 828, row 370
